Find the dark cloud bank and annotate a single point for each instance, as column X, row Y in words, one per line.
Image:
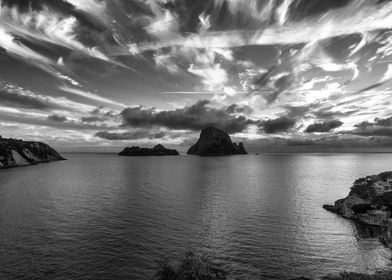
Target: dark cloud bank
column 281, row 124
column 57, row 118
column 194, row 117
column 323, row 126
column 379, row 127
column 131, row 135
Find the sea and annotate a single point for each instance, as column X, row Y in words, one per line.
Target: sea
column 101, row 216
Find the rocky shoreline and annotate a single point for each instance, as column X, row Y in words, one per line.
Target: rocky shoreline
column 192, row 264
column 369, row 202
column 16, row 153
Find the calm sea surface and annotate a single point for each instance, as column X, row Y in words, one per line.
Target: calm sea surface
column 110, row 217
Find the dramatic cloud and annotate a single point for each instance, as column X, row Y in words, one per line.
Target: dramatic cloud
column 379, row 127
column 357, row 17
column 323, row 126
column 374, row 131
column 47, row 26
column 15, row 48
column 57, row 118
column 281, row 124
column 235, row 108
column 131, row 135
column 92, row 119
column 341, row 142
column 386, row 122
column 271, row 84
column 93, row 7
column 195, row 117
column 334, row 143
column 276, row 70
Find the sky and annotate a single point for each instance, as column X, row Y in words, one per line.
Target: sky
column 278, row 75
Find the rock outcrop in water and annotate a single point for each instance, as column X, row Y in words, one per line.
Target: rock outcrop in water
column 14, row 153
column 158, row 150
column 369, row 202
column 215, row 142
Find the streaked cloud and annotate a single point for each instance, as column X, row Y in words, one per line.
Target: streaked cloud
column 94, row 7
column 15, row 96
column 10, row 44
column 47, row 26
column 90, row 95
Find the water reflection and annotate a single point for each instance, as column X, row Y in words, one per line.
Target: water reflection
column 114, row 217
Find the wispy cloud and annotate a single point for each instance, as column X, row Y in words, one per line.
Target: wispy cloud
column 91, row 96
column 356, row 18
column 93, row 7
column 15, row 96
column 15, row 48
column 47, row 26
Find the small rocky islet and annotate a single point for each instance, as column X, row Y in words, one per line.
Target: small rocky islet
column 16, row 152
column 369, row 202
column 216, row 142
column 158, row 150
column 212, row 142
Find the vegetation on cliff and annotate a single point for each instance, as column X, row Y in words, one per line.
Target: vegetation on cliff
column 367, row 195
column 369, row 202
column 383, row 275
column 16, row 152
column 193, row 267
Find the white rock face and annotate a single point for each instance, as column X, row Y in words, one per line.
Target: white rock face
column 18, row 159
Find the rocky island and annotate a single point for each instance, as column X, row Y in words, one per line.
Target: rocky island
column 215, row 142
column 369, row 202
column 158, row 150
column 14, row 153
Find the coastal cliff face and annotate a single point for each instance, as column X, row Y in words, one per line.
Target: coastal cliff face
column 369, row 202
column 14, row 153
column 215, row 142
column 158, row 150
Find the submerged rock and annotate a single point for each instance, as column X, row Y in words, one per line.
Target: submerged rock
column 369, row 202
column 14, row 153
column 215, row 142
column 158, row 150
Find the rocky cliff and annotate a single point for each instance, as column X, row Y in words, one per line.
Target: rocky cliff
column 215, row 142
column 157, row 150
column 14, row 153
column 369, row 202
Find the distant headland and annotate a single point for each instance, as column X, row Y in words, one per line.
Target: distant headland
column 369, row 202
column 158, row 150
column 216, row 142
column 16, row 152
